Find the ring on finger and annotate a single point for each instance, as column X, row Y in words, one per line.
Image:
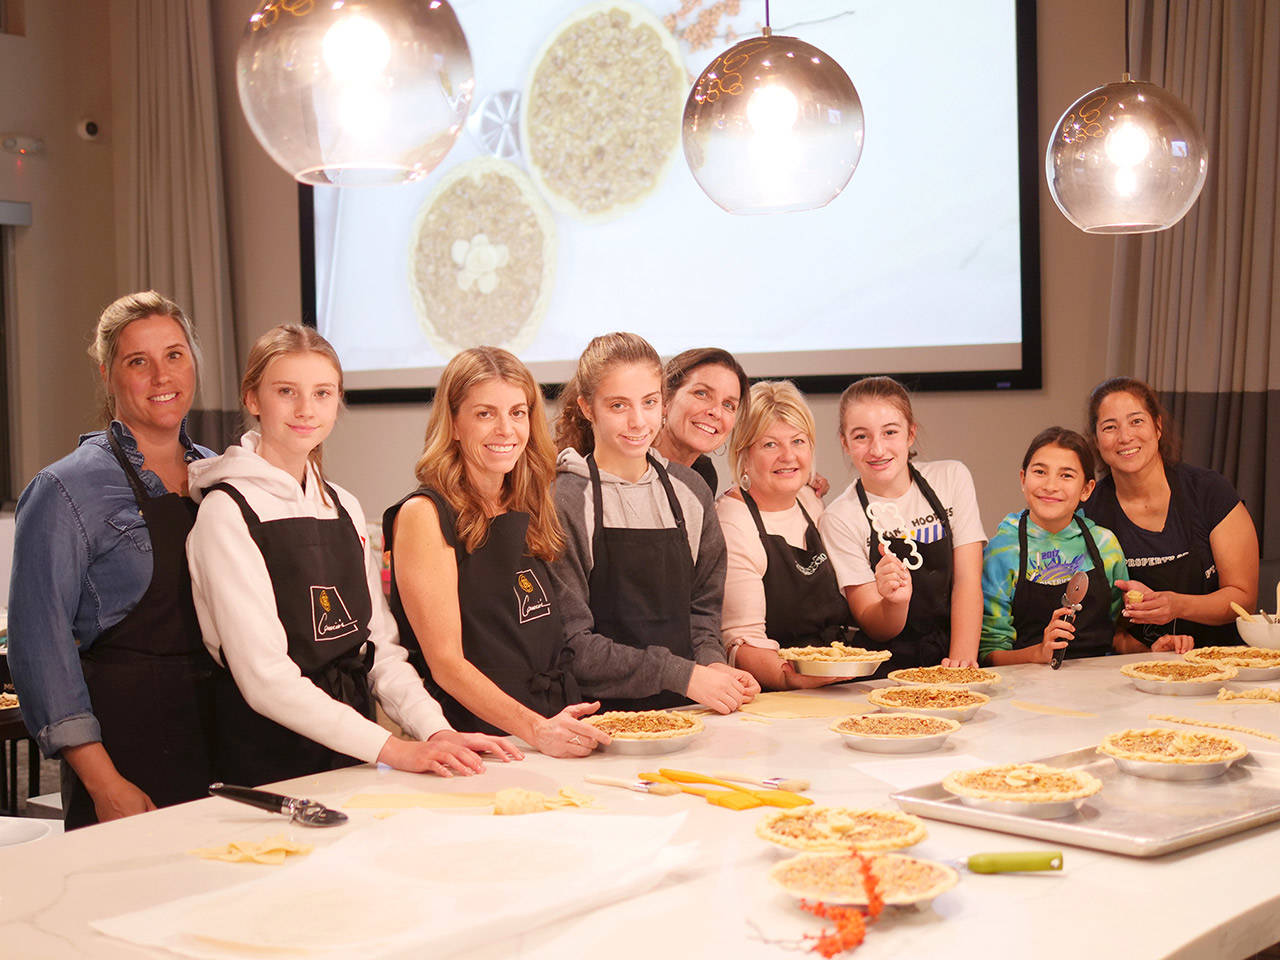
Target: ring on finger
column 575, row 739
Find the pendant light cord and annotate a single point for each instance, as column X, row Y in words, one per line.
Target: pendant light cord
column 1127, row 15
column 769, row 26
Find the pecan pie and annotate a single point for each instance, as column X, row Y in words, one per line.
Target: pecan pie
column 836, row 653
column 646, row 724
column 1023, row 782
column 1158, row 745
column 840, row 828
column 903, row 725
column 928, row 698
column 944, row 675
column 835, row 878
column 1175, row 671
column 1253, row 658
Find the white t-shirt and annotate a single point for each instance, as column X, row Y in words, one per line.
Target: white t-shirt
column 744, row 602
column 845, row 530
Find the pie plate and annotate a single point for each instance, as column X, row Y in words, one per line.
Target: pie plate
column 652, row 746
column 1048, row 810
column 951, row 713
column 948, row 878
column 836, row 668
column 1155, row 770
column 978, row 686
column 876, row 743
column 1179, row 688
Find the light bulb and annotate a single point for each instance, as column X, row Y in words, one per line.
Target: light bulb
column 772, row 110
column 1127, row 145
column 355, row 48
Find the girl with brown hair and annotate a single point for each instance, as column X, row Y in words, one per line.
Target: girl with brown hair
column 290, row 598
column 469, row 549
column 641, row 577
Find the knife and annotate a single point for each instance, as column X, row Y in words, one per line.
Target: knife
column 1028, row 861
column 1077, row 587
column 310, row 813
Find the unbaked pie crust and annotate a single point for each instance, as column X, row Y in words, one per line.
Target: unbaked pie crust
column 835, row 878
column 1023, row 783
column 902, row 726
column 944, row 675
column 646, row 724
column 1177, row 671
column 1158, row 745
column 1253, row 658
column 836, row 653
column 841, row 828
column 927, row 698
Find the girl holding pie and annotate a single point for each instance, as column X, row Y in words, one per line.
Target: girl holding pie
column 1191, row 545
column 780, row 588
column 905, row 538
column 641, row 577
column 1037, row 550
column 470, row 589
column 290, row 599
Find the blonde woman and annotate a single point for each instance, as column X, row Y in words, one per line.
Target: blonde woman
column 469, row 548
column 641, row 577
column 290, row 598
column 103, row 641
column 780, row 589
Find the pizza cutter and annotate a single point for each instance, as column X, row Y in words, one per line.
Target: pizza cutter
column 309, row 813
column 1077, row 587
column 1027, row 861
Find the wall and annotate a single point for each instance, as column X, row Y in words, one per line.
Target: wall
column 64, row 263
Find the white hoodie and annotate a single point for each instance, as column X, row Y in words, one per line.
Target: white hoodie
column 237, row 609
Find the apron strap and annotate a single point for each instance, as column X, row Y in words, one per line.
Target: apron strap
column 755, row 514
column 250, row 516
column 1022, row 548
column 930, row 497
column 811, row 537
column 671, row 493
column 139, row 491
column 597, row 498
column 1091, row 546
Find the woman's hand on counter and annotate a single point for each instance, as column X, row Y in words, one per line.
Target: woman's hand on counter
column 1173, row 643
column 498, row 747
column 113, row 796
column 438, row 755
column 565, row 735
column 719, row 690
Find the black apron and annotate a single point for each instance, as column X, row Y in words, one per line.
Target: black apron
column 1034, row 603
column 149, row 676
column 322, row 598
column 926, row 638
column 641, row 587
column 803, row 602
column 1194, row 573
column 511, row 628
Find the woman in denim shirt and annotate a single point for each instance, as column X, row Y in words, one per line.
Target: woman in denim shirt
column 104, row 645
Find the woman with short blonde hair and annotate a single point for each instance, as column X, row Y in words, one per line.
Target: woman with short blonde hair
column 780, row 590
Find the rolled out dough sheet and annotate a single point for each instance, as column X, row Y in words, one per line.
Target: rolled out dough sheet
column 1051, row 711
column 800, row 704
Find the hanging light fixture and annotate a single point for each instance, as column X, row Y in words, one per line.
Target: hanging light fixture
column 1128, row 157
column 772, row 125
column 355, row 92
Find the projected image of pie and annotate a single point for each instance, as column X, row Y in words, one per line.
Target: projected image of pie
column 600, row 116
column 482, row 258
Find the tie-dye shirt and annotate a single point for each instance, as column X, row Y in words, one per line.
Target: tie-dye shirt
column 1051, row 559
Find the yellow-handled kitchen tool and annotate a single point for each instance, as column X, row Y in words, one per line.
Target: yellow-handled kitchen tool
column 730, row 799
column 772, row 798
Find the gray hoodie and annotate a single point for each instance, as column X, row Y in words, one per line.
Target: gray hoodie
column 615, row 670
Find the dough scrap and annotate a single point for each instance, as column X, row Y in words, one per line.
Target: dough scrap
column 272, row 850
column 1192, row 722
column 801, row 704
column 514, row 800
column 1050, row 710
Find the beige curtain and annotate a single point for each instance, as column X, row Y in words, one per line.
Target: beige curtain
column 171, row 220
column 1196, row 308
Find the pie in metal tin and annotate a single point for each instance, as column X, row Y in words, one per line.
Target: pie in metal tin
column 953, row 702
column 837, row 879
column 1022, row 783
column 901, row 726
column 814, row 828
column 1161, row 745
column 646, row 724
column 1178, row 671
column 971, row 678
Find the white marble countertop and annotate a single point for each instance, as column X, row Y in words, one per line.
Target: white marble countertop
column 1217, row 900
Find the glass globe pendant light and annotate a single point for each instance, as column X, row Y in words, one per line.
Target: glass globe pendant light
column 355, row 92
column 1128, row 157
column 772, row 125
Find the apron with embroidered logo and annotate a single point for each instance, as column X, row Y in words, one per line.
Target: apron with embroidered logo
column 317, row 571
column 511, row 629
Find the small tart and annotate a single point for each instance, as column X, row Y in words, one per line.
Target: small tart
column 1253, row 658
column 945, row 675
column 1160, row 745
column 835, row 878
column 1023, row 782
column 927, row 698
column 1177, row 671
column 903, row 726
column 840, row 828
column 836, row 653
column 646, row 724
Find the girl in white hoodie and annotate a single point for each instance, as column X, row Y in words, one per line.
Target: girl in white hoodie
column 289, row 597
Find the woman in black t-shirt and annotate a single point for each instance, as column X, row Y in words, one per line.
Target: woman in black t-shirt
column 1190, row 544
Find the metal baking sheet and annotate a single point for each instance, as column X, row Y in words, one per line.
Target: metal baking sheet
column 1131, row 815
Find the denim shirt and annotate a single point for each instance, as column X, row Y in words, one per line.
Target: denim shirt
column 81, row 562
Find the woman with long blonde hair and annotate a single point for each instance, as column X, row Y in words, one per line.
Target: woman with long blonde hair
column 469, row 549
column 290, row 598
